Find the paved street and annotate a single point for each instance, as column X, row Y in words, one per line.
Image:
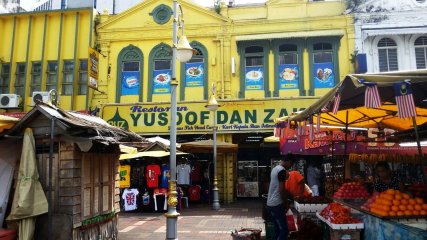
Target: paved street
column 197, row 222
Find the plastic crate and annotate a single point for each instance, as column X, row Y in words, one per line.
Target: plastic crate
column 7, row 234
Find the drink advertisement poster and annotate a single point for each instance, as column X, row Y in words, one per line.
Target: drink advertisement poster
column 161, row 81
column 323, row 75
column 254, row 79
column 93, row 68
column 194, row 74
column 288, row 76
column 130, row 83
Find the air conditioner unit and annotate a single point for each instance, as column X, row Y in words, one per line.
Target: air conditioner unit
column 39, row 97
column 9, row 100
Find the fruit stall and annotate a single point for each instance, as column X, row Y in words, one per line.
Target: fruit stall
column 388, row 215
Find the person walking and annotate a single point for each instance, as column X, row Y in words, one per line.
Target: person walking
column 313, row 178
column 277, row 201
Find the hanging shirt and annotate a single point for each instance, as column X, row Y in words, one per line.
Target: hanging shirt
column 183, row 171
column 196, row 174
column 129, row 199
column 153, row 172
column 165, row 176
column 124, row 171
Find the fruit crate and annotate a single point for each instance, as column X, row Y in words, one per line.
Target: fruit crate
column 309, row 207
column 348, row 234
column 351, row 226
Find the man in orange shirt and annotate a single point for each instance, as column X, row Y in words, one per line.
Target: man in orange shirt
column 295, row 185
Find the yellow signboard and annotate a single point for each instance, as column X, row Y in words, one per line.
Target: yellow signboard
column 124, row 171
column 93, row 68
column 194, row 117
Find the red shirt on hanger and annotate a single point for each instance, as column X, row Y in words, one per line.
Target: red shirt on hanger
column 153, row 172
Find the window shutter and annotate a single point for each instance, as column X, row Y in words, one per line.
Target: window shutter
column 420, row 57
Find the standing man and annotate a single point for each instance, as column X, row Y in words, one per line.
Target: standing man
column 313, row 178
column 277, row 201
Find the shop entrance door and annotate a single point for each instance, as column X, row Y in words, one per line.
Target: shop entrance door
column 247, row 178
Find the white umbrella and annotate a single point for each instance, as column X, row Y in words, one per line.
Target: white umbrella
column 162, row 140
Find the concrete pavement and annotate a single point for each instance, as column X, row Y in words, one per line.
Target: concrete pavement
column 198, row 222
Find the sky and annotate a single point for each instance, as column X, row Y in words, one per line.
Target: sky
column 28, row 4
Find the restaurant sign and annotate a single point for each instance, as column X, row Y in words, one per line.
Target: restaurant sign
column 194, row 117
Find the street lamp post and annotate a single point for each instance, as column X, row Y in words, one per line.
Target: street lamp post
column 213, row 106
column 183, row 52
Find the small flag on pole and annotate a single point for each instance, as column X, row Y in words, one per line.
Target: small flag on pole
column 318, row 123
column 404, row 100
column 311, row 129
column 336, row 102
column 372, row 96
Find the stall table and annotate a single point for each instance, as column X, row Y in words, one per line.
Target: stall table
column 383, row 228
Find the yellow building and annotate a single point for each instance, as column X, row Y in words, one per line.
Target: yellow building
column 266, row 61
column 40, row 51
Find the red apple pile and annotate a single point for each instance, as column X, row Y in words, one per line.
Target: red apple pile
column 351, row 190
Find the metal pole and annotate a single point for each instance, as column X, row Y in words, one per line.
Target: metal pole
column 215, row 205
column 49, row 211
column 420, row 151
column 172, row 214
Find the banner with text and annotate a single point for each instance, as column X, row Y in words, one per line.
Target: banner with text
column 93, row 68
column 194, row 117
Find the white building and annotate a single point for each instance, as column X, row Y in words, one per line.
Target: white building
column 392, row 34
column 113, row 6
column 9, row 6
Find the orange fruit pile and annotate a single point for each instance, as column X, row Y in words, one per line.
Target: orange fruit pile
column 392, row 203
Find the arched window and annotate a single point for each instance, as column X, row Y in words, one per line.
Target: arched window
column 129, row 72
column 288, row 67
column 195, row 71
column 387, row 55
column 254, row 68
column 160, row 73
column 421, row 52
column 323, row 65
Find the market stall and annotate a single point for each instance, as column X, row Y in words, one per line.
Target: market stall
column 77, row 158
column 357, row 120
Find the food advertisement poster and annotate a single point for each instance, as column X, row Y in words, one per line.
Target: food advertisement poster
column 93, row 68
column 323, row 75
column 254, row 78
column 130, row 83
column 288, row 76
column 161, row 81
column 194, row 74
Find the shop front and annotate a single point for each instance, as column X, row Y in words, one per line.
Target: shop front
column 241, row 122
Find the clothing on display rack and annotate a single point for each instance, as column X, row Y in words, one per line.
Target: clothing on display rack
column 124, row 172
column 194, row 193
column 160, row 192
column 153, row 172
column 129, row 198
column 145, row 199
column 137, row 177
column 196, row 174
column 165, row 176
column 183, row 171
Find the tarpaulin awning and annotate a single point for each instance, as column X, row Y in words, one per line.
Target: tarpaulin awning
column 127, row 149
column 158, row 154
column 162, row 141
column 206, row 146
column 353, row 100
column 7, row 122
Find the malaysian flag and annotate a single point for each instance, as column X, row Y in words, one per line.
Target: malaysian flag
column 404, row 100
column 336, row 102
column 372, row 96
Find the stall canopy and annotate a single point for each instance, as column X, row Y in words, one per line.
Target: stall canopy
column 352, row 101
column 206, row 146
column 155, row 149
column 7, row 122
column 162, row 141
